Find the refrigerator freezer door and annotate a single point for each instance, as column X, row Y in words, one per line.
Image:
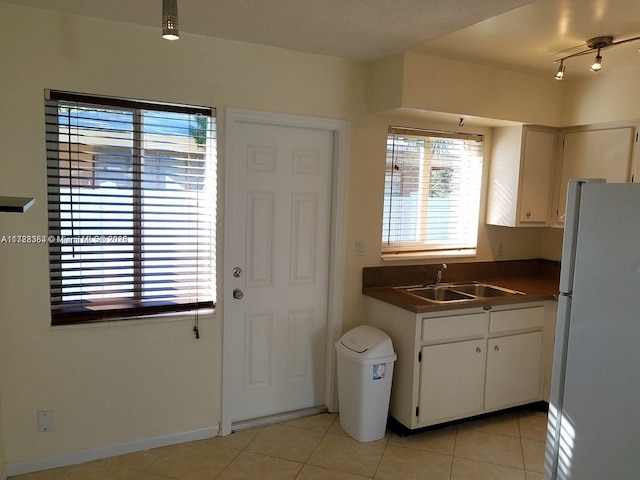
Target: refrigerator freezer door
column 600, row 421
column 574, row 191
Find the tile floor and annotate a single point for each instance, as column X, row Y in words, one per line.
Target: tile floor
column 508, row 446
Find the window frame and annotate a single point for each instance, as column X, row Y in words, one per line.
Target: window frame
column 393, row 249
column 140, row 305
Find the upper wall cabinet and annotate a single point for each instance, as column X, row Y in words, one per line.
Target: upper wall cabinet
column 521, row 176
column 604, row 153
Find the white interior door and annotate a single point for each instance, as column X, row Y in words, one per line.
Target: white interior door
column 279, row 253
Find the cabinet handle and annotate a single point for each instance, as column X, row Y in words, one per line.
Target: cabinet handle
column 496, row 348
column 478, row 349
column 528, row 214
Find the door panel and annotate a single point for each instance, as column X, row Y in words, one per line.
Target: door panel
column 257, row 365
column 304, row 232
column 259, row 235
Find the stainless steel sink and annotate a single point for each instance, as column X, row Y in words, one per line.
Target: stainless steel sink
column 485, row 291
column 460, row 292
column 440, row 294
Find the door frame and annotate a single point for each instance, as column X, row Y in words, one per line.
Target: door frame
column 341, row 133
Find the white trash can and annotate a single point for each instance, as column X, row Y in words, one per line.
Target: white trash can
column 365, row 371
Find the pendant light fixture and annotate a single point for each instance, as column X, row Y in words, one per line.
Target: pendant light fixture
column 595, row 44
column 170, row 20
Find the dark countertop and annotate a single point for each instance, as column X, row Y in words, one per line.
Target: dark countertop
column 538, row 284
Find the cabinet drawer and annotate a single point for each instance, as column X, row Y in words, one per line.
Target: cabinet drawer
column 517, row 319
column 441, row 328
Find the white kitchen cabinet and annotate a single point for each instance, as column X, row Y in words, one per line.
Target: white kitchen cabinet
column 604, row 153
column 451, row 380
column 456, row 364
column 513, row 370
column 521, row 176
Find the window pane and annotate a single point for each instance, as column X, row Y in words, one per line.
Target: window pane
column 176, row 220
column 432, row 193
column 95, row 198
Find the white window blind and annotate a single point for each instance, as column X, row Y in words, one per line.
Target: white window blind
column 432, row 192
column 131, row 207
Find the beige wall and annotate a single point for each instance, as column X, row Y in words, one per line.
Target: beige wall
column 600, row 99
column 119, row 383
column 113, row 384
column 2, row 472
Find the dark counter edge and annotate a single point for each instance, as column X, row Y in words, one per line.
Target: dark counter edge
column 538, row 279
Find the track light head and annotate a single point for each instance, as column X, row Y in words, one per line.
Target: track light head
column 597, row 63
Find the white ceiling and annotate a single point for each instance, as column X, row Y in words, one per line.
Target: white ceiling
column 525, row 35
column 530, row 38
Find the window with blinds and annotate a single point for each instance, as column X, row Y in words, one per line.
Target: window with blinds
column 431, row 193
column 131, row 207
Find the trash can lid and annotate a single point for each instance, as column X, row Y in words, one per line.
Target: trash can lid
column 368, row 339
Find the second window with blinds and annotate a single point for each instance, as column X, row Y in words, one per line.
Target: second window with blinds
column 432, row 190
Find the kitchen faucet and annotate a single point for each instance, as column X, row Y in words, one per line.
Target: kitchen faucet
column 439, row 274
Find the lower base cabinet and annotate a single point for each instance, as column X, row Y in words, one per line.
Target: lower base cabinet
column 513, row 370
column 451, row 380
column 463, row 363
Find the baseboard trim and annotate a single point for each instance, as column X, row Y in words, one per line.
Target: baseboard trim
column 73, row 458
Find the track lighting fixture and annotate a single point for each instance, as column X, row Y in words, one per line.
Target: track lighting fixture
column 595, row 44
column 170, row 20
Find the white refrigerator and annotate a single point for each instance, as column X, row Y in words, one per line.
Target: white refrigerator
column 594, row 408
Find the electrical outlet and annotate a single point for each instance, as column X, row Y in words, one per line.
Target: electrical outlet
column 45, row 421
column 499, row 249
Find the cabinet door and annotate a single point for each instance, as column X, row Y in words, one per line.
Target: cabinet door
column 513, row 370
column 537, row 171
column 451, row 380
column 595, row 154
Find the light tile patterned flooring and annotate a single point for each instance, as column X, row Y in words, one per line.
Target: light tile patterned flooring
column 508, row 446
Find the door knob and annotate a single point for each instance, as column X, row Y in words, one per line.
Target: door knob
column 237, row 293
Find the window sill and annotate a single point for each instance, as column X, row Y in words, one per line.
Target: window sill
column 397, row 257
column 159, row 318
